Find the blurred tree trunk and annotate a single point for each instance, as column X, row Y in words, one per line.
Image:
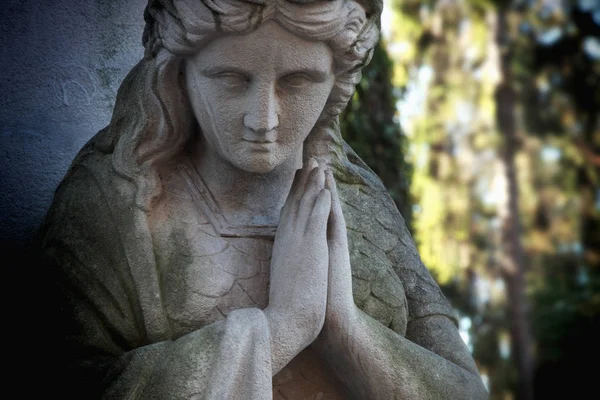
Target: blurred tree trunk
column 512, row 263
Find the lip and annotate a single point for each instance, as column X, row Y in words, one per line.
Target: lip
column 258, row 141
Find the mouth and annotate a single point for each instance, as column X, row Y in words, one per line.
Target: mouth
column 258, row 141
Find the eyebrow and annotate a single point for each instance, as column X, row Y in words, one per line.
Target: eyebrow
column 317, row 75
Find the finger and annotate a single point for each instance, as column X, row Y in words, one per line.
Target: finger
column 289, row 202
column 304, row 177
column 337, row 239
column 317, row 222
column 337, row 223
column 297, row 188
column 316, row 182
column 340, row 301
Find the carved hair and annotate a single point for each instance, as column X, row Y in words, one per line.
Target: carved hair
column 153, row 121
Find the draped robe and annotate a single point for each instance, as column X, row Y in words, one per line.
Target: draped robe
column 167, row 303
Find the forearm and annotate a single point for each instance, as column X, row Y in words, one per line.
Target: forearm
column 227, row 359
column 376, row 363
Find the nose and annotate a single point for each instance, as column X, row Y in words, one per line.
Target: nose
column 263, row 111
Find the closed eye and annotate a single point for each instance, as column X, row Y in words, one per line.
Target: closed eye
column 299, row 80
column 296, row 80
column 232, row 79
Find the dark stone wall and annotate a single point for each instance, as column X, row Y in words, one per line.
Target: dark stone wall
column 61, row 63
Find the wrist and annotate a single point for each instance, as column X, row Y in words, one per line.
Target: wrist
column 342, row 313
column 287, row 337
column 341, row 325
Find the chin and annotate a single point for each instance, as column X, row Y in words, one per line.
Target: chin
column 258, row 165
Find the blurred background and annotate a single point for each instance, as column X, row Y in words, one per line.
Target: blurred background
column 481, row 117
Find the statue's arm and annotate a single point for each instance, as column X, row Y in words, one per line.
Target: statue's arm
column 104, row 351
column 374, row 362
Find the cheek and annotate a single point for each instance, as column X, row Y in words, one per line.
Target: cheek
column 223, row 118
column 302, row 112
column 227, row 108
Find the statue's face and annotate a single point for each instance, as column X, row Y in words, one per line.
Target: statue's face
column 257, row 96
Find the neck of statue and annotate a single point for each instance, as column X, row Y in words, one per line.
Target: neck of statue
column 246, row 198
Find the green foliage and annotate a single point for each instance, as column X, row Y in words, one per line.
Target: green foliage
column 458, row 177
column 457, row 114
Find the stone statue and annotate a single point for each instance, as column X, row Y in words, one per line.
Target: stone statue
column 219, row 239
